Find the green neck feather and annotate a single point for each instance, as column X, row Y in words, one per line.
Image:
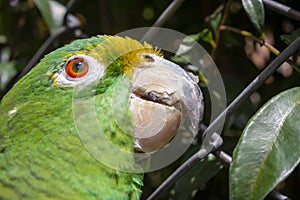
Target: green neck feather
column 42, row 154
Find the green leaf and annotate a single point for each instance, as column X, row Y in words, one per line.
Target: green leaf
column 288, row 39
column 207, row 36
column 187, row 44
column 7, row 67
column 184, row 59
column 44, row 8
column 7, row 72
column 269, row 148
column 189, row 41
column 191, row 38
column 214, row 20
column 53, row 13
column 256, row 13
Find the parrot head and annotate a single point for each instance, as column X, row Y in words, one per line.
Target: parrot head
column 137, row 98
column 159, row 91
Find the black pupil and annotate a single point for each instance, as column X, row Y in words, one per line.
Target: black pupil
column 78, row 66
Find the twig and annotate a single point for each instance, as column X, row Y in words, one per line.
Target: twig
column 250, row 35
column 282, row 9
column 218, row 33
column 260, row 41
column 258, row 81
column 277, row 7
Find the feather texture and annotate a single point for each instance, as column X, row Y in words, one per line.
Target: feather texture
column 41, row 154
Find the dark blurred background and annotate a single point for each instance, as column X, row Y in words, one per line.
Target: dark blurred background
column 23, row 29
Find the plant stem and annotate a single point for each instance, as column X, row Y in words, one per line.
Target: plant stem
column 260, row 41
column 218, row 33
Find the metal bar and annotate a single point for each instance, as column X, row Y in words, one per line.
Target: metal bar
column 177, row 174
column 223, row 156
column 168, row 12
column 215, row 139
column 258, row 81
column 274, row 194
column 70, row 5
column 282, row 9
column 45, row 46
column 34, row 59
column 162, row 19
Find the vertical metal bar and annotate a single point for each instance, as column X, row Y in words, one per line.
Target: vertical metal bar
column 162, row 19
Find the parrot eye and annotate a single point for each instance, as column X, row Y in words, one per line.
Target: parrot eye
column 77, row 68
column 80, row 69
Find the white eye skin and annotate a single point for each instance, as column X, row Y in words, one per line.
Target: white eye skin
column 80, row 70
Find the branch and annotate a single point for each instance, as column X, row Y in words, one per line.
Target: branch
column 250, row 35
column 273, row 5
column 218, row 33
column 260, row 41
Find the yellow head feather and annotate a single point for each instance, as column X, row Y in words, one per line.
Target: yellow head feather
column 125, row 49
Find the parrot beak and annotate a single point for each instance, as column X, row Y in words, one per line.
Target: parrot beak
column 163, row 99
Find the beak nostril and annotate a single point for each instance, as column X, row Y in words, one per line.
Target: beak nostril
column 148, row 58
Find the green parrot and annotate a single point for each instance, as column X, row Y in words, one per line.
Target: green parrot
column 49, row 144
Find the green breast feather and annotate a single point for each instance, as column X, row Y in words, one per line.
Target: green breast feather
column 41, row 155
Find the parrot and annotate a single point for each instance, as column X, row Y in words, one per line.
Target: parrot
column 112, row 86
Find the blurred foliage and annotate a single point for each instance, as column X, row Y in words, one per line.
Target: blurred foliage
column 26, row 24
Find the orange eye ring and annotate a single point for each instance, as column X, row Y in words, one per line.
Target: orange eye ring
column 77, row 68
